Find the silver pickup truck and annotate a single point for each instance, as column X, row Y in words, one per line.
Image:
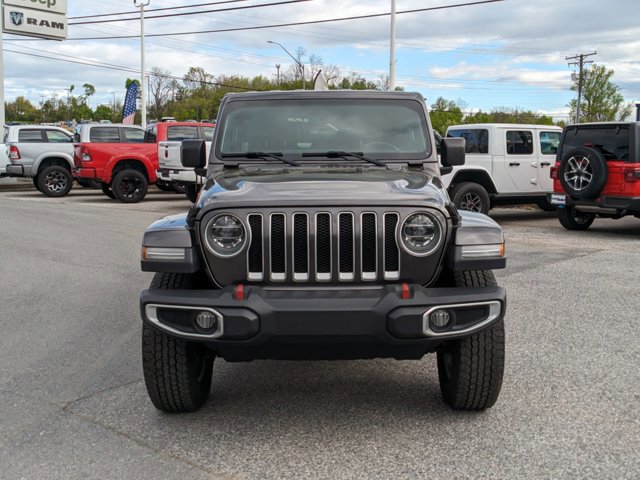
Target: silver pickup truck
column 169, row 136
column 44, row 153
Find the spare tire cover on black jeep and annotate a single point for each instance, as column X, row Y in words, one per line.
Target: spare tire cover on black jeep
column 583, row 172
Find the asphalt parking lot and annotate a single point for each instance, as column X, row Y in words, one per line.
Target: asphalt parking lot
column 74, row 403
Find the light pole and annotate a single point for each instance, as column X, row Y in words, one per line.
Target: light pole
column 143, row 106
column 392, row 48
column 300, row 65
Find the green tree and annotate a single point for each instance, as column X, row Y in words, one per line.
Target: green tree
column 445, row 113
column 601, row 98
column 21, row 110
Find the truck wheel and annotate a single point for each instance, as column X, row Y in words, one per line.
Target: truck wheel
column 571, row 219
column 177, row 373
column 129, row 186
column 191, row 191
column 55, row 181
column 470, row 369
column 471, row 196
column 106, row 189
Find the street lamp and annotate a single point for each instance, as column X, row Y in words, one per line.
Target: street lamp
column 143, row 106
column 300, row 65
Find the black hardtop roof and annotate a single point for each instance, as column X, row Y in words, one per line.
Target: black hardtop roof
column 603, row 124
column 302, row 94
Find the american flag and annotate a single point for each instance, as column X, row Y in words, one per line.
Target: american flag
column 129, row 111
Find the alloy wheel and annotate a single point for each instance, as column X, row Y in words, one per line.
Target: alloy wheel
column 578, row 174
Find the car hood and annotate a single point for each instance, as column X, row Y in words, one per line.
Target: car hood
column 323, row 186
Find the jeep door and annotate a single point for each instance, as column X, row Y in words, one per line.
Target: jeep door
column 520, row 159
column 549, row 142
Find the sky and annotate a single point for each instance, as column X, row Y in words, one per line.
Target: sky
column 510, row 53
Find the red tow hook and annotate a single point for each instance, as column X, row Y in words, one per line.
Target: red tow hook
column 239, row 292
column 406, row 292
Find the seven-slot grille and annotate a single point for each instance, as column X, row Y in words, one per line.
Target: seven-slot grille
column 323, row 247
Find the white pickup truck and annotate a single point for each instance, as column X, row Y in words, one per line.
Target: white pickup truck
column 169, row 136
column 506, row 164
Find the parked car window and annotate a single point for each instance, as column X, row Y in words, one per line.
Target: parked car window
column 151, row 135
column 179, row 133
column 208, row 133
column 30, row 136
column 54, row 136
column 519, row 142
column 133, row 135
column 476, row 139
column 104, row 135
column 612, row 141
column 549, row 142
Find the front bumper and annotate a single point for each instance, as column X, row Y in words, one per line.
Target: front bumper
column 323, row 323
column 173, row 175
column 604, row 204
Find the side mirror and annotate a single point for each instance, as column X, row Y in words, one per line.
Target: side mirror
column 193, row 153
column 452, row 151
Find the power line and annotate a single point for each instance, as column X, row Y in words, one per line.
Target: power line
column 167, row 15
column 155, row 9
column 309, row 22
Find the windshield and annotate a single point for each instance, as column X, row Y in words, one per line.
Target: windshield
column 377, row 128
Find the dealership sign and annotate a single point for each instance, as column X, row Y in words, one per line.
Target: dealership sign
column 36, row 18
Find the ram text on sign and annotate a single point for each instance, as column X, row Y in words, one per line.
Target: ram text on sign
column 51, row 6
column 34, row 23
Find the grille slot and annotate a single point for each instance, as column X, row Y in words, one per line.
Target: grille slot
column 346, row 239
column 466, row 316
column 255, row 257
column 391, row 250
column 278, row 247
column 301, row 247
column 369, row 246
column 323, row 246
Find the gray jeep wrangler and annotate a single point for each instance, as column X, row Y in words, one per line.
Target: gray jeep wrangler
column 323, row 231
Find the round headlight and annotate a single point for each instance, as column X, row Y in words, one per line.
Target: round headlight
column 420, row 234
column 225, row 235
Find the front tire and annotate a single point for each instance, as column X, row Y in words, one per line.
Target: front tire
column 55, row 181
column 471, row 196
column 571, row 219
column 177, row 373
column 106, row 189
column 471, row 369
column 129, row 186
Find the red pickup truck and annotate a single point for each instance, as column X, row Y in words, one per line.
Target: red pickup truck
column 118, row 157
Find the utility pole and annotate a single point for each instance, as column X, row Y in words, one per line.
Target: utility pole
column 392, row 48
column 143, row 105
column 580, row 63
column 278, row 74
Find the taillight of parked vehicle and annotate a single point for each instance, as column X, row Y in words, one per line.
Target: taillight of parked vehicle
column 632, row 175
column 553, row 173
column 14, row 153
column 84, row 154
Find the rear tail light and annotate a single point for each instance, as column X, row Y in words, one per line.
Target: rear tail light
column 14, row 153
column 553, row 173
column 84, row 154
column 632, row 175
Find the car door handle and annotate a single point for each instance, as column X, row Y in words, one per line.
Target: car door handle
column 545, row 164
column 514, row 164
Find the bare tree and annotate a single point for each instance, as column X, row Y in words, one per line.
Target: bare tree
column 161, row 90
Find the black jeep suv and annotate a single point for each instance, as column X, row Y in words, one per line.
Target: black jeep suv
column 323, row 231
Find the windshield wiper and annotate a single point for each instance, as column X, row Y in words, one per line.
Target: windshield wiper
column 345, row 155
column 262, row 156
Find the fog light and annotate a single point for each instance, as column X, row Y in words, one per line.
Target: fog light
column 439, row 318
column 207, row 321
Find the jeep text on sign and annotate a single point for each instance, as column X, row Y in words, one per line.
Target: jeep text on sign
column 34, row 23
column 51, row 6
